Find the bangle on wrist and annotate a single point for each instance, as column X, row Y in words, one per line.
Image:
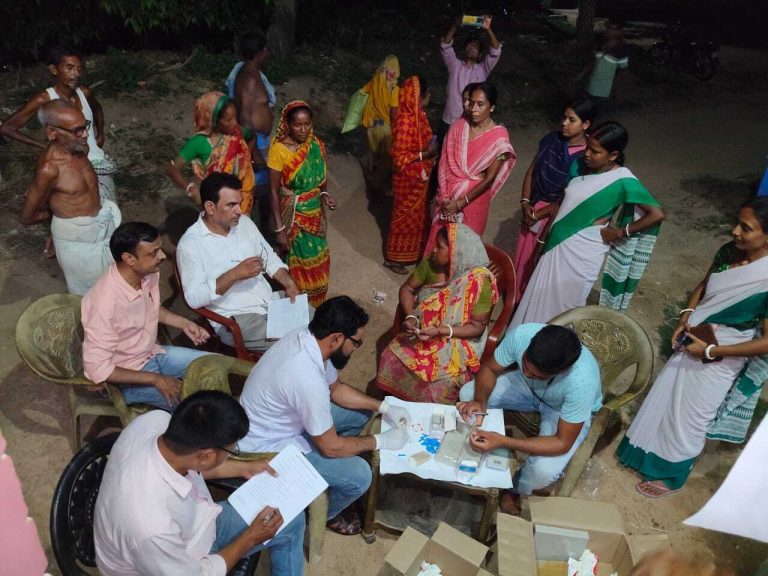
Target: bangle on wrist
column 450, row 331
column 707, row 351
column 324, row 192
column 683, row 311
column 466, row 200
column 524, row 201
column 412, row 316
column 189, row 186
column 627, row 233
column 277, row 230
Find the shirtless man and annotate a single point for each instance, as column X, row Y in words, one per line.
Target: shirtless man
column 255, row 97
column 65, row 187
column 66, row 67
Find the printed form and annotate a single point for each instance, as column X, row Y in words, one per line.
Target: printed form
column 297, row 484
column 284, row 315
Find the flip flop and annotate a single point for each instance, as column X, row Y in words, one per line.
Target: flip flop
column 651, row 490
column 396, row 268
column 347, row 523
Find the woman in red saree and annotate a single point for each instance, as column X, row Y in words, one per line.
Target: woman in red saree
column 477, row 159
column 413, row 152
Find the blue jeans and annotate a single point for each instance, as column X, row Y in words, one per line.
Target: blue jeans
column 348, row 478
column 286, row 555
column 173, row 363
column 511, row 393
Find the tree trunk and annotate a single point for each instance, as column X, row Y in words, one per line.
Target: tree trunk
column 282, row 28
column 585, row 22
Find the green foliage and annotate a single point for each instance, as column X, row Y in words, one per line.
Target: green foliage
column 121, row 72
column 31, row 26
column 207, row 64
column 671, row 317
column 178, row 16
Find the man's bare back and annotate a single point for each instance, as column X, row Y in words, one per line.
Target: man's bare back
column 252, row 100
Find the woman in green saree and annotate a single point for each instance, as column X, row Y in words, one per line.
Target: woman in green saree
column 297, row 163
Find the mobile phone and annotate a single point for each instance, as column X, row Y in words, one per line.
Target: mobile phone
column 682, row 341
column 475, row 21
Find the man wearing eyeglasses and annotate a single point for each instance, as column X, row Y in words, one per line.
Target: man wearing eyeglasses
column 65, row 190
column 223, row 261
column 294, row 395
column 66, row 67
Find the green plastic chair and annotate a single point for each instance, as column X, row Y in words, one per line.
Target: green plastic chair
column 49, row 338
column 212, row 373
column 618, row 343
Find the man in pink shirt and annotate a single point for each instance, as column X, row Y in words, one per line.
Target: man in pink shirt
column 120, row 314
column 473, row 66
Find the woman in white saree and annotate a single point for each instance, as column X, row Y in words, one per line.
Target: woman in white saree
column 720, row 341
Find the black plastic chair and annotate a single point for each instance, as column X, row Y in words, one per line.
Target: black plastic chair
column 72, row 509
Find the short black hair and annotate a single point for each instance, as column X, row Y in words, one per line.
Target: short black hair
column 252, row 43
column 56, row 54
column 338, row 314
column 554, row 349
column 127, row 236
column 214, row 182
column 206, row 419
column 477, row 40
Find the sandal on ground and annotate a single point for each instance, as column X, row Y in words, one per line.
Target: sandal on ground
column 654, row 490
column 509, row 502
column 396, row 268
column 347, row 524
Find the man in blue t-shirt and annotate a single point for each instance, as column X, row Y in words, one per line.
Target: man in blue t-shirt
column 537, row 368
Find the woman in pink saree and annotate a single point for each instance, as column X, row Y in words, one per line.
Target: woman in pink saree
column 477, row 159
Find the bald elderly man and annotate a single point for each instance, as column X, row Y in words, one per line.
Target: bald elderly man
column 65, row 189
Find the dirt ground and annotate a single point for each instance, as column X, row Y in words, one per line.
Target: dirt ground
column 699, row 157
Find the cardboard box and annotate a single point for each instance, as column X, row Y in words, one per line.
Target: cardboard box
column 617, row 552
column 455, row 553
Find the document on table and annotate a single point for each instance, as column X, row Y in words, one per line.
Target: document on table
column 284, row 315
column 740, row 505
column 297, row 484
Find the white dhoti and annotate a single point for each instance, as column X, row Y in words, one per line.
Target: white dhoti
column 82, row 245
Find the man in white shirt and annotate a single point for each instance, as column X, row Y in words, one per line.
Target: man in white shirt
column 223, row 259
column 294, row 395
column 154, row 515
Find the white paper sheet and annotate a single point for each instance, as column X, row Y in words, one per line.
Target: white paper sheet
column 396, row 461
column 293, row 490
column 740, row 506
column 284, row 315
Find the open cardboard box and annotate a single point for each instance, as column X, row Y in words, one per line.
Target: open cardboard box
column 616, row 551
column 455, row 553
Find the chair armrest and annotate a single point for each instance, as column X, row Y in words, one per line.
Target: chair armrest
column 231, row 325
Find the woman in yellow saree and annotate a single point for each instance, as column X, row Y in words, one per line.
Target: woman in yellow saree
column 447, row 301
column 297, row 163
